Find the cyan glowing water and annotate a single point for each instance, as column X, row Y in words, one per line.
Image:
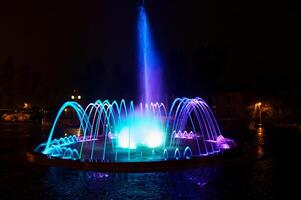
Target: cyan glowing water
column 117, row 132
column 141, row 130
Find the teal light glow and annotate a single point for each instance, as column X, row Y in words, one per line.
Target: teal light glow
column 125, row 140
column 141, row 130
column 120, row 132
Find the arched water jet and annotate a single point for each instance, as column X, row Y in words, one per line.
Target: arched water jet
column 117, row 132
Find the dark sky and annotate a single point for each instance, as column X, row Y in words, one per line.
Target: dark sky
column 49, row 48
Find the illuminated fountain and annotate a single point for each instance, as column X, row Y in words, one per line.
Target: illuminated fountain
column 124, row 132
column 119, row 132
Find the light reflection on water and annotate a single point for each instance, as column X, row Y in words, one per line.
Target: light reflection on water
column 260, row 142
column 270, row 174
column 74, row 184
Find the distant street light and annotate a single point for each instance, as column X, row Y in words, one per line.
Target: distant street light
column 26, row 105
column 75, row 95
column 259, row 104
column 259, row 110
column 260, row 131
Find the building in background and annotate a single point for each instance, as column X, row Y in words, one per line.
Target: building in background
column 231, row 108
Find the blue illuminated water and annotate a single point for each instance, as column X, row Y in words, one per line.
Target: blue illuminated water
column 119, row 132
column 150, row 77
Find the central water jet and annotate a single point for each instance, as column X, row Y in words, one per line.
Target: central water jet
column 150, row 79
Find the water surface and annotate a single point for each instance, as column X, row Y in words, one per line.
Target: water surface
column 272, row 172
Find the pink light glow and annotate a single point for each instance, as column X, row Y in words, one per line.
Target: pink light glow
column 184, row 135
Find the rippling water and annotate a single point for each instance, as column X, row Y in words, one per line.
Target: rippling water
column 272, row 171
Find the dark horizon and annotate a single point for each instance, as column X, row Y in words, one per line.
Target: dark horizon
column 50, row 48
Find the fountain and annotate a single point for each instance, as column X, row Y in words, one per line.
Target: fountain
column 113, row 133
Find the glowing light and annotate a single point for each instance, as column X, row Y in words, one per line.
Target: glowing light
column 185, row 135
column 73, row 97
column 258, row 104
column 260, row 131
column 154, row 138
column 141, row 130
column 126, row 140
column 223, row 142
column 79, row 97
column 148, row 130
column 26, row 106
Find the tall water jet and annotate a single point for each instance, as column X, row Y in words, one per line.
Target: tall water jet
column 150, row 79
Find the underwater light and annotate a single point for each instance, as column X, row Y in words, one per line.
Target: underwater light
column 125, row 140
column 140, row 130
column 154, row 138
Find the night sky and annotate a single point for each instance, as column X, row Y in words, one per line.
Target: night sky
column 49, row 48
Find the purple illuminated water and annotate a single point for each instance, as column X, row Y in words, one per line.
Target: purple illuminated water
column 150, row 77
